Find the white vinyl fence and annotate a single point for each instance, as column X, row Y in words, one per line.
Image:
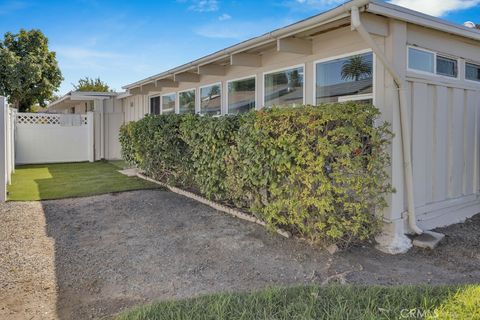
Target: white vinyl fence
column 49, row 138
column 7, row 146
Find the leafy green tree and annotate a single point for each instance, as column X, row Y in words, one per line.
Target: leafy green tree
column 29, row 71
column 90, row 84
column 356, row 68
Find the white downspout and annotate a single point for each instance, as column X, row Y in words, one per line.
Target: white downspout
column 404, row 127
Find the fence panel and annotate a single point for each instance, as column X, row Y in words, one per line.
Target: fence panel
column 49, row 138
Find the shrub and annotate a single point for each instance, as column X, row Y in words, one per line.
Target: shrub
column 154, row 145
column 316, row 171
column 211, row 141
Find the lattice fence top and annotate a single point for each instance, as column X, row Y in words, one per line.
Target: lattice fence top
column 44, row 118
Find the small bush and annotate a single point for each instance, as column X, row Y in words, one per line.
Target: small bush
column 318, row 172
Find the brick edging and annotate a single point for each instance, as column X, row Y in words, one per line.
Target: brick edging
column 214, row 205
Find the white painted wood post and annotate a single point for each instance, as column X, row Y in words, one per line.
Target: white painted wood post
column 3, row 150
column 91, row 136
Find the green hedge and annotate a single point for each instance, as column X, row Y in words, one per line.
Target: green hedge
column 318, row 172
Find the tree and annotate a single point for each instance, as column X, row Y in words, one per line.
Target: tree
column 90, row 84
column 29, row 71
column 356, row 68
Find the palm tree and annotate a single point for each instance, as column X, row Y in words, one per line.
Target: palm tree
column 356, row 68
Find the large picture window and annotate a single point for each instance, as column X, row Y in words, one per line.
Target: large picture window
column 155, row 105
column 211, row 99
column 186, row 101
column 168, row 103
column 344, row 79
column 284, row 87
column 241, row 95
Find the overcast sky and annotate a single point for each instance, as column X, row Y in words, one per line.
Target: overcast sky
column 124, row 41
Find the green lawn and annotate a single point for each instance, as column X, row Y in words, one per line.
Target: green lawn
column 313, row 302
column 64, row 180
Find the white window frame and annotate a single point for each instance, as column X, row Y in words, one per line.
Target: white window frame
column 194, row 89
column 283, row 69
column 477, row 82
column 219, row 83
column 349, row 97
column 150, row 103
column 168, row 94
column 254, row 76
column 435, row 54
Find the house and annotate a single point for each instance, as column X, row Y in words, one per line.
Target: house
column 422, row 72
column 81, row 102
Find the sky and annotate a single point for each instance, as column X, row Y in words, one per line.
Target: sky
column 124, row 41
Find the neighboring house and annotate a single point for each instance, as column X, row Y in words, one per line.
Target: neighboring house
column 422, row 72
column 108, row 116
column 80, row 102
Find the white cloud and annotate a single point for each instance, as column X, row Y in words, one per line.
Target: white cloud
column 435, row 8
column 204, row 5
column 224, row 17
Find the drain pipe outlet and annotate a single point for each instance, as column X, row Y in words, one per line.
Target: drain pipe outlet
column 404, row 128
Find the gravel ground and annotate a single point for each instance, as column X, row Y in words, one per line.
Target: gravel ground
column 92, row 257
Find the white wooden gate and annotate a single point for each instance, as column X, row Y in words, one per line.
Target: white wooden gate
column 49, row 138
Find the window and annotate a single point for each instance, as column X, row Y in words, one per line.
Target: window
column 168, row 103
column 155, row 105
column 241, row 95
column 345, row 79
column 186, row 101
column 284, row 87
column 472, row 72
column 446, row 66
column 211, row 99
column 421, row 60
column 432, row 62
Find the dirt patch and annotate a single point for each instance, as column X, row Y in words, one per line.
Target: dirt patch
column 93, row 257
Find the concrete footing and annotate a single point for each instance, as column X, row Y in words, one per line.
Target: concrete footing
column 392, row 240
column 428, row 239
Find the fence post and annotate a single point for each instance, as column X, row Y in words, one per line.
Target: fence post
column 91, row 136
column 3, row 151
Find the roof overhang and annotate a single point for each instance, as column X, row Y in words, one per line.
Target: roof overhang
column 292, row 34
column 74, row 97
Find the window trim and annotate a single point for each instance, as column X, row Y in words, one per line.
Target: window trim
column 219, row 83
column 345, row 55
column 283, row 69
column 477, row 82
column 194, row 89
column 435, row 54
column 168, row 94
column 254, row 76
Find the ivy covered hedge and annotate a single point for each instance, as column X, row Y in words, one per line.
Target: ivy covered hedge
column 319, row 172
